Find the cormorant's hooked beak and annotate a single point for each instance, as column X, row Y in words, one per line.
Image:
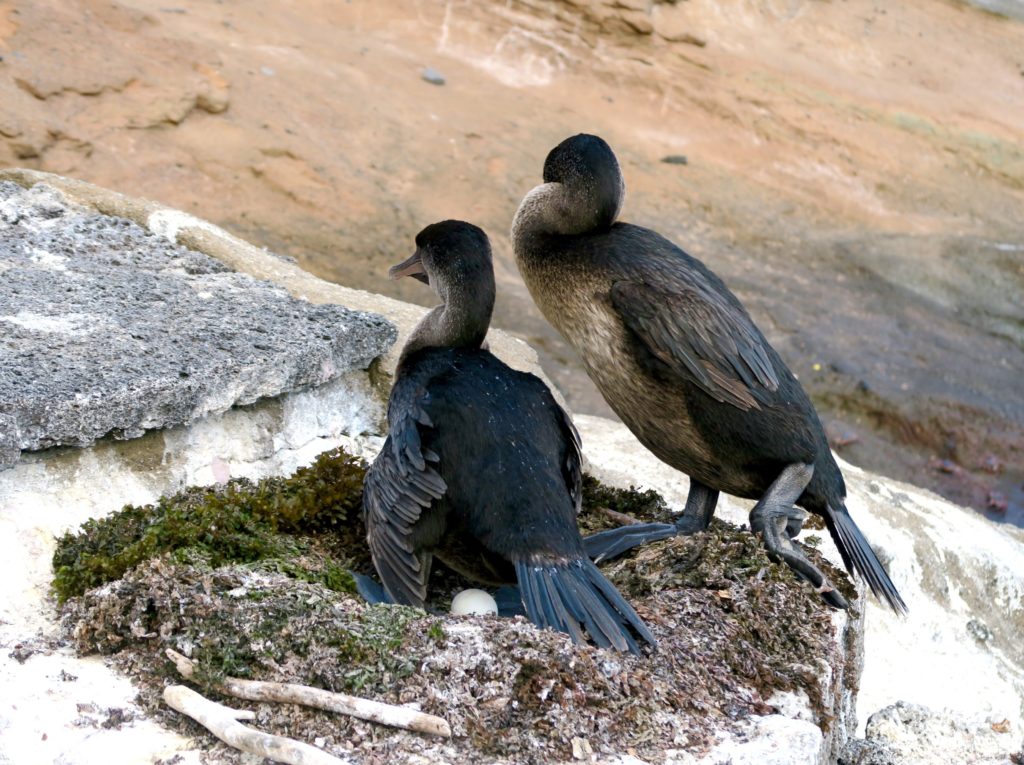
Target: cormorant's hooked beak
column 412, row 267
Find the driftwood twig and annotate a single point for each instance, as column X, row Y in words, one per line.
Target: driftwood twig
column 291, row 693
column 222, row 722
column 620, row 518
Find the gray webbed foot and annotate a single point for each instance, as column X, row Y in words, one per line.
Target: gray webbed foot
column 372, row 591
column 777, row 520
column 605, row 545
column 795, row 522
column 700, row 506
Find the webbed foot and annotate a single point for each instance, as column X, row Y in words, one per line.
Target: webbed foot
column 700, row 506
column 605, row 545
column 777, row 520
column 372, row 591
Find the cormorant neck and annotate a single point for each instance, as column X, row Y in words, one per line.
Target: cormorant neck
column 460, row 322
column 569, row 210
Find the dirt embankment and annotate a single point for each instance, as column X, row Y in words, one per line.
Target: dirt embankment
column 855, row 170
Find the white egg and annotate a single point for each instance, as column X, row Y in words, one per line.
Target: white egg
column 476, row 602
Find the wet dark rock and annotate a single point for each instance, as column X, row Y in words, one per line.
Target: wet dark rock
column 997, row 502
column 990, row 463
column 840, row 434
column 109, row 329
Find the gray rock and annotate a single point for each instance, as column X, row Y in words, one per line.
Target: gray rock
column 9, row 449
column 432, row 76
column 903, row 733
column 106, row 328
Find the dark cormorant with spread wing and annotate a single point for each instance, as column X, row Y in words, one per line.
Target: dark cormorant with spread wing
column 482, row 467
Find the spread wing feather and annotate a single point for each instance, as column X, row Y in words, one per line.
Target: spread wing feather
column 706, row 341
column 402, row 482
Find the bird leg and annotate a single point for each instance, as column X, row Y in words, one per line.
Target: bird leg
column 700, row 506
column 775, row 516
column 795, row 522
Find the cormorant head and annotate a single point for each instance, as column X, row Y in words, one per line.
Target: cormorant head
column 587, row 167
column 451, row 255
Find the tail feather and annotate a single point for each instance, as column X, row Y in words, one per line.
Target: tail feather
column 857, row 554
column 574, row 597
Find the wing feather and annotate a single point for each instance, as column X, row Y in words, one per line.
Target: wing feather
column 710, row 343
column 401, row 483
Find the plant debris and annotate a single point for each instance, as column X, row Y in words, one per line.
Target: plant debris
column 249, row 581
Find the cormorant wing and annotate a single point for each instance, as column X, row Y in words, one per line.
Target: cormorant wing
column 400, row 484
column 573, row 467
column 701, row 337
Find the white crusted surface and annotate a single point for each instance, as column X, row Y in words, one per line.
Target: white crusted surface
column 46, row 494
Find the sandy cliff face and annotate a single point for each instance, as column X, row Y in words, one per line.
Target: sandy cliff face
column 854, row 170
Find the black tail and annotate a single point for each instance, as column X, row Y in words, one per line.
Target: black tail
column 570, row 597
column 857, row 554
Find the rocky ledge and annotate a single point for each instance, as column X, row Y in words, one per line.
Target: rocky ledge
column 108, row 328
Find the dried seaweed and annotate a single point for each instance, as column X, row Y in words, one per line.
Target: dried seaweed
column 732, row 627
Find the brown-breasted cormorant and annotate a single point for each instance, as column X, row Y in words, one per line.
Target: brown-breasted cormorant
column 678, row 358
column 482, row 467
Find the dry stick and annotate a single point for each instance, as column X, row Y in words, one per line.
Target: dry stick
column 621, row 518
column 290, row 693
column 221, row 721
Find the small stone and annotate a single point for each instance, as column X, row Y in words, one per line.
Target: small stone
column 997, row 502
column 945, row 466
column 21, row 653
column 266, row 70
column 990, row 463
column 675, row 159
column 581, row 749
column 213, row 101
column 979, row 631
column 432, row 76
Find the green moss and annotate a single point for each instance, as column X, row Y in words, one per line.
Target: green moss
column 597, row 499
column 436, row 633
column 240, row 522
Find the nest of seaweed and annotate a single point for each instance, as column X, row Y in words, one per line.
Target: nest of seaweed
column 250, row 581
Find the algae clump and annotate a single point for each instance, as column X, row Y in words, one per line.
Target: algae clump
column 239, row 522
